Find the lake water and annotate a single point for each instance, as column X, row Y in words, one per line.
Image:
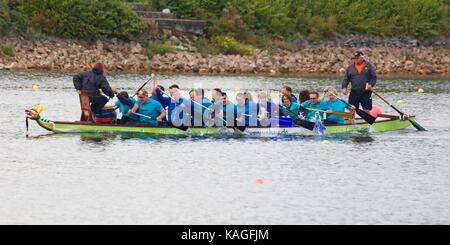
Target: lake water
column 400, row 177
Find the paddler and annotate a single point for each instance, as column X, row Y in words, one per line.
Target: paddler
column 224, row 111
column 291, row 109
column 313, row 103
column 199, row 105
column 286, row 90
column 358, row 74
column 175, row 104
column 93, row 81
column 334, row 105
column 125, row 103
column 152, row 111
column 246, row 109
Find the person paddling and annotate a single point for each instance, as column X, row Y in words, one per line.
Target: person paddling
column 286, row 90
column 93, row 81
column 291, row 109
column 358, row 75
column 334, row 105
column 125, row 103
column 316, row 104
column 151, row 110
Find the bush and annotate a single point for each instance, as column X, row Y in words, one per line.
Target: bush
column 8, row 50
column 205, row 47
column 81, row 19
column 229, row 45
column 154, row 48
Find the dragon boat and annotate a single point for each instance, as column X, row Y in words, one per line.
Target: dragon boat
column 383, row 123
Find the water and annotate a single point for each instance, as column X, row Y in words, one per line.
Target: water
column 400, row 177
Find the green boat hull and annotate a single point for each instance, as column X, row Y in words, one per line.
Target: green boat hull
column 384, row 124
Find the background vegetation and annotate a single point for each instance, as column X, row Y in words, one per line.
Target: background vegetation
column 235, row 25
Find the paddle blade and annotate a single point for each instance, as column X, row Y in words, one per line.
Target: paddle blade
column 240, row 128
column 366, row 116
column 319, row 128
column 304, row 124
column 416, row 125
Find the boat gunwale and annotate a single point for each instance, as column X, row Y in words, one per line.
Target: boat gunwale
column 387, row 118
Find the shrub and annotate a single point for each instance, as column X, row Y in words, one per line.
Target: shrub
column 229, row 45
column 205, row 46
column 154, row 48
column 8, row 50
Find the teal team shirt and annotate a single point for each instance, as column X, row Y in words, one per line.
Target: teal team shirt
column 293, row 110
column 337, row 106
column 151, row 108
column 311, row 115
column 124, row 108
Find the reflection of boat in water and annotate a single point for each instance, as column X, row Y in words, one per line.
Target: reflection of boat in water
column 383, row 123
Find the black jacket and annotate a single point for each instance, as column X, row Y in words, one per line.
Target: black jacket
column 357, row 80
column 92, row 81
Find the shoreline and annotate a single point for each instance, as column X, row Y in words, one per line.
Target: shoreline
column 299, row 75
column 55, row 54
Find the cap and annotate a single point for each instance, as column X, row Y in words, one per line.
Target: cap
column 358, row 54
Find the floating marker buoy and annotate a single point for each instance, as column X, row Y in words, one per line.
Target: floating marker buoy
column 326, row 142
column 237, row 89
column 35, row 87
column 421, row 90
column 259, row 181
column 399, row 101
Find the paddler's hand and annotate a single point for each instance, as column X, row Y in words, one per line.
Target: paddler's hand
column 159, row 119
column 344, row 91
column 328, row 111
column 153, row 76
column 130, row 112
column 114, row 89
column 79, row 92
column 368, row 87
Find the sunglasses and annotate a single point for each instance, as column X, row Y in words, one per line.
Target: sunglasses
column 141, row 97
column 313, row 98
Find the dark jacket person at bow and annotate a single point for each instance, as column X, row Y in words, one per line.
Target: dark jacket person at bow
column 358, row 75
column 93, row 81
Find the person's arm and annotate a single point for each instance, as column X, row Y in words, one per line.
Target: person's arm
column 106, row 89
column 134, row 109
column 163, row 99
column 78, row 82
column 346, row 81
column 162, row 115
column 373, row 77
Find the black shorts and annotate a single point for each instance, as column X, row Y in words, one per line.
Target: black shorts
column 364, row 98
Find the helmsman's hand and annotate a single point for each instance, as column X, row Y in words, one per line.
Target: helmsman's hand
column 344, row 91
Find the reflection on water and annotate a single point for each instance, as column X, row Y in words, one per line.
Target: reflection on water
column 363, row 178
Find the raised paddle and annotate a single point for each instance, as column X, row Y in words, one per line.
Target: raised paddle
column 403, row 115
column 143, row 85
column 364, row 115
column 336, row 113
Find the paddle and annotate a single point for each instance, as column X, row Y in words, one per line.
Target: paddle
column 364, row 115
column 182, row 127
column 336, row 113
column 143, row 85
column 414, row 123
column 300, row 122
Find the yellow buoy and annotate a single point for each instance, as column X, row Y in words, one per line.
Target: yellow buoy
column 399, row 101
column 36, row 87
column 421, row 90
column 237, row 89
column 326, row 142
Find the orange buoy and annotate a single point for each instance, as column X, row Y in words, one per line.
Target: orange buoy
column 259, row 181
column 376, row 111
